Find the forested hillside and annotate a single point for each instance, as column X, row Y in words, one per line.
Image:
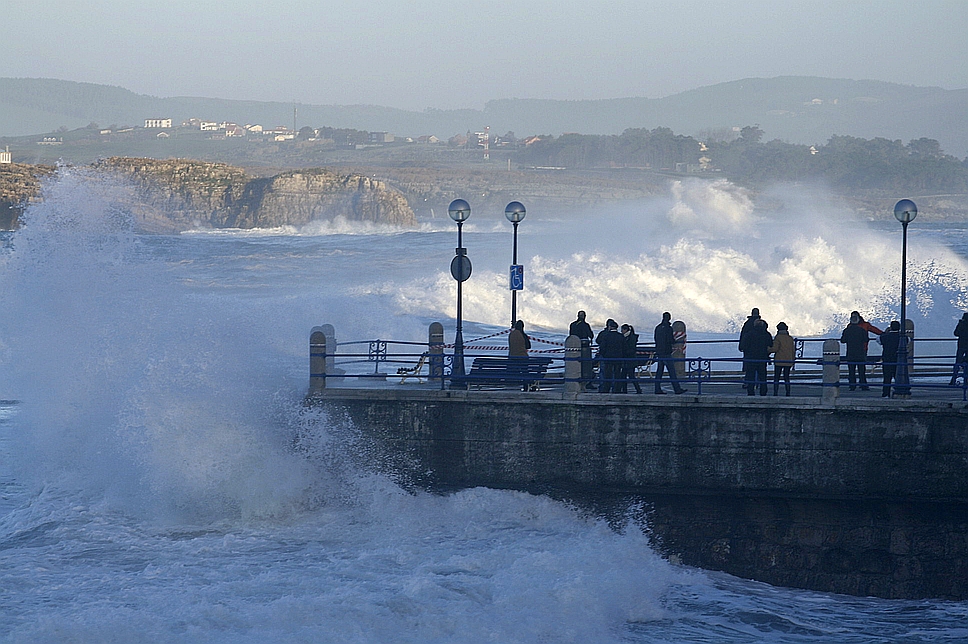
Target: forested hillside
column 803, row 110
column 844, row 162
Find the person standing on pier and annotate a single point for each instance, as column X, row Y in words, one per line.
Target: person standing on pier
column 611, row 350
column 518, row 346
column 889, row 340
column 784, row 357
column 756, row 352
column 631, row 361
column 856, row 338
column 961, row 357
column 664, row 340
column 748, row 325
column 518, row 341
column 583, row 331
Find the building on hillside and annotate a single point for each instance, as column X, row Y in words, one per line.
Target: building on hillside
column 208, row 126
column 433, row 140
column 157, row 123
column 5, row 156
column 381, row 137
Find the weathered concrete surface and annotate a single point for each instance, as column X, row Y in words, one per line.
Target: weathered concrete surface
column 697, row 444
column 867, row 499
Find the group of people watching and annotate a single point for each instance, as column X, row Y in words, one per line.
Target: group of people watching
column 618, row 354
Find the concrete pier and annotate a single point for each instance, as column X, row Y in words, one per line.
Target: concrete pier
column 862, row 497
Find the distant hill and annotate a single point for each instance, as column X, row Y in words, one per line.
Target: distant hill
column 795, row 109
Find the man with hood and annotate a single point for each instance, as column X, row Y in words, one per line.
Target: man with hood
column 856, row 338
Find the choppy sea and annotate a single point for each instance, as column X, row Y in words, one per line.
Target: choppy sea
column 150, row 389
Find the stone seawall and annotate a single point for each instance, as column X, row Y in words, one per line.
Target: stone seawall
column 867, row 499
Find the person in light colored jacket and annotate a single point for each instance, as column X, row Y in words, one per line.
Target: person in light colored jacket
column 784, row 357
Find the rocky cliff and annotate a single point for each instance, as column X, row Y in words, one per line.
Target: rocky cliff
column 19, row 185
column 175, row 195
column 180, row 195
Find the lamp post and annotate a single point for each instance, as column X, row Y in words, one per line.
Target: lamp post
column 904, row 211
column 460, row 267
column 515, row 213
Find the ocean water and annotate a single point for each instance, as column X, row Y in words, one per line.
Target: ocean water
column 150, row 390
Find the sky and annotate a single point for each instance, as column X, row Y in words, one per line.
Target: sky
column 450, row 54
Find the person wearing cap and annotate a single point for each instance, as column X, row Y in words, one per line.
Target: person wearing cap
column 611, row 349
column 856, row 338
column 784, row 357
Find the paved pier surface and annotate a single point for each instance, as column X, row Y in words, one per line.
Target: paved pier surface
column 866, row 496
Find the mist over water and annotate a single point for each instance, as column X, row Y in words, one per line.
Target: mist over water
column 149, row 489
column 708, row 256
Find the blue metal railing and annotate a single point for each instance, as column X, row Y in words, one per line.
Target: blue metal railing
column 434, row 363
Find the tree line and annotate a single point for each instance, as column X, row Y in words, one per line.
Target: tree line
column 844, row 162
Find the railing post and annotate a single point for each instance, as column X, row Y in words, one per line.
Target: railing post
column 317, row 359
column 435, row 343
column 831, row 371
column 330, row 334
column 573, row 364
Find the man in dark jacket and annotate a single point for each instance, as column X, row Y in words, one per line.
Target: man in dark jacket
column 748, row 325
column 664, row 339
column 583, row 331
column 889, row 342
column 961, row 357
column 611, row 349
column 756, row 345
column 856, row 338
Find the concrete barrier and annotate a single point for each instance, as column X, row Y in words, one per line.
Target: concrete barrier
column 836, row 495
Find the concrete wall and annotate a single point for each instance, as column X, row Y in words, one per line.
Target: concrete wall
column 698, row 445
column 766, row 480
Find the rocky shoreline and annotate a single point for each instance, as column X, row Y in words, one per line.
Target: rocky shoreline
column 175, row 195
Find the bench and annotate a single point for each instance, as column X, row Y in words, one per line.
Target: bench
column 508, row 371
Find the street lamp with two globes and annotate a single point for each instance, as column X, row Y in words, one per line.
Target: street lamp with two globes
column 460, row 267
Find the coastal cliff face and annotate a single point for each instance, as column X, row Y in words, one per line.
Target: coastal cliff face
column 19, row 185
column 175, row 195
column 181, row 195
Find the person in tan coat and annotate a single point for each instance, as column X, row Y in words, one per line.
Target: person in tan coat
column 784, row 356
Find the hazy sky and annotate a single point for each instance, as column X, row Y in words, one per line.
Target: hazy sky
column 450, row 54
